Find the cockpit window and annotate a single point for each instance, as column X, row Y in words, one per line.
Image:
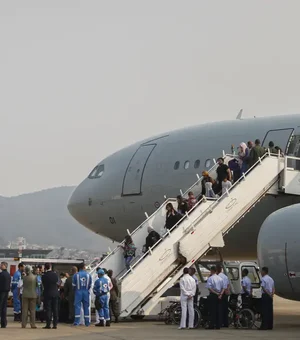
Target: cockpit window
column 97, row 172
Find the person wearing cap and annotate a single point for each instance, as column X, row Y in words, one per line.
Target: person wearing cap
column 110, row 286
column 101, row 290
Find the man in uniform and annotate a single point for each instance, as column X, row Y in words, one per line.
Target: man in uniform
column 268, row 291
column 224, row 301
column 14, row 289
column 82, row 282
column 215, row 286
column 246, row 288
column 5, row 280
column 187, row 293
column 101, row 290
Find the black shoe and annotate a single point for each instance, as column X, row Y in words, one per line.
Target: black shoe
column 209, row 328
column 100, row 324
column 47, row 327
column 107, row 323
column 117, row 320
column 54, row 327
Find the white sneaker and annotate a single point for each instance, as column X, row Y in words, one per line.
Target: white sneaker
column 181, row 328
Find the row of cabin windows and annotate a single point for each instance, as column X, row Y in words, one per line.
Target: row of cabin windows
column 186, row 164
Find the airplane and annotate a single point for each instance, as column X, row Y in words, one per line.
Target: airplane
column 137, row 179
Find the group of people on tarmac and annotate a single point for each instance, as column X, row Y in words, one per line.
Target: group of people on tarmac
column 106, row 296
column 218, row 285
column 32, row 289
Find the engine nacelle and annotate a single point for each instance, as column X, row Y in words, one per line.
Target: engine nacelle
column 278, row 249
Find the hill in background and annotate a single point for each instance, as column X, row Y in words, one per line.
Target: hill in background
column 43, row 218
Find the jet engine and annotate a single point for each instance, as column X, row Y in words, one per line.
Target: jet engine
column 278, row 248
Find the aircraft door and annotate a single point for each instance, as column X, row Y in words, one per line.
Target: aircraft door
column 294, row 149
column 280, row 137
column 132, row 183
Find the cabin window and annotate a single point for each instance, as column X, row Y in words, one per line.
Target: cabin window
column 197, row 164
column 97, row 172
column 186, row 164
column 93, row 173
column 207, row 163
column 176, row 165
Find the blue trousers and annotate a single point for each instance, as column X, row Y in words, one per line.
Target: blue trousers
column 82, row 297
column 104, row 311
column 17, row 304
column 127, row 261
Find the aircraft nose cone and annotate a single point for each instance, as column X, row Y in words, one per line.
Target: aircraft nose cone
column 77, row 206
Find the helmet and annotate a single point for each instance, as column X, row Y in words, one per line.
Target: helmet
column 100, row 272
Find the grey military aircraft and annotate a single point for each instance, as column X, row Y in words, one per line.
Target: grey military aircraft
column 136, row 179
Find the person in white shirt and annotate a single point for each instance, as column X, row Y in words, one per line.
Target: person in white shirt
column 215, row 286
column 268, row 291
column 246, row 288
column 187, row 293
column 226, row 185
column 224, row 301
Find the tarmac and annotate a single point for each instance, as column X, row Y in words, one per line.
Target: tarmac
column 287, row 326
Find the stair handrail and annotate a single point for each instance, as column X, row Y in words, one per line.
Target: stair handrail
column 203, row 214
column 119, row 248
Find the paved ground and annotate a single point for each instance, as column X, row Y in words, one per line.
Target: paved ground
column 287, row 326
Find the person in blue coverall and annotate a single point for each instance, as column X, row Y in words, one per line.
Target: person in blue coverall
column 14, row 289
column 82, row 282
column 101, row 290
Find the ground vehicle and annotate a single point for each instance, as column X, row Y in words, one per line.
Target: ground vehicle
column 239, row 316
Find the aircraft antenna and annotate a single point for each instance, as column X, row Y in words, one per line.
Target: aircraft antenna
column 239, row 116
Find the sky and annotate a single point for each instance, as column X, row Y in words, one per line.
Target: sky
column 81, row 79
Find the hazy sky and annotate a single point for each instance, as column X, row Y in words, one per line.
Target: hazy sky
column 81, row 79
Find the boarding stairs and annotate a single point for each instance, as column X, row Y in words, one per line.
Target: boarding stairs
column 202, row 229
